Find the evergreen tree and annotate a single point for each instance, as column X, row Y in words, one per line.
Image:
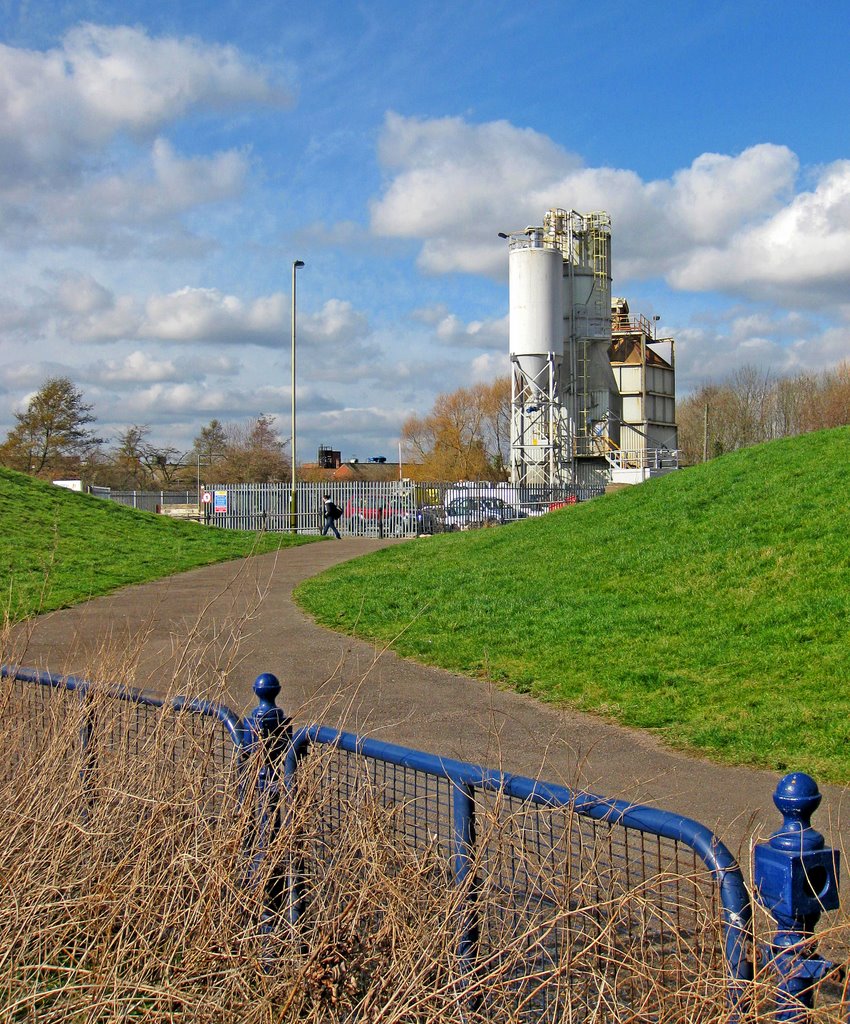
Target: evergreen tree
column 53, row 434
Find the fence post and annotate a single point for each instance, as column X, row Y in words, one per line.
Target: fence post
column 796, row 879
column 267, row 734
column 88, row 751
column 463, row 866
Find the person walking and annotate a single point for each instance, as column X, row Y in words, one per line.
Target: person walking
column 332, row 513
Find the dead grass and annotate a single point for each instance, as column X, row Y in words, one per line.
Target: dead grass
column 132, row 889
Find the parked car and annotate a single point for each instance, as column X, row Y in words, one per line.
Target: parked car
column 569, row 500
column 391, row 517
column 368, row 515
column 472, row 511
column 404, row 519
column 432, row 519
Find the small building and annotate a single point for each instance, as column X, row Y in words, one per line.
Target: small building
column 645, row 370
column 328, row 458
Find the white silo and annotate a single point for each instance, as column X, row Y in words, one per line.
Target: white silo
column 565, row 402
column 536, row 351
column 536, row 303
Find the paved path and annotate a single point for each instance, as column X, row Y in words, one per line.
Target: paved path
column 214, row 630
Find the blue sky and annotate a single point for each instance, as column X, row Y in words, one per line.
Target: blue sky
column 162, row 165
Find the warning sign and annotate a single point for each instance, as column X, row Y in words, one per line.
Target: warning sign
column 220, row 503
column 206, row 498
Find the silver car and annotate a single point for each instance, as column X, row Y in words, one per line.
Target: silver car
column 473, row 511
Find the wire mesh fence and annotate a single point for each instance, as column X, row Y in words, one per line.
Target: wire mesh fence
column 119, row 740
column 562, row 912
column 523, row 901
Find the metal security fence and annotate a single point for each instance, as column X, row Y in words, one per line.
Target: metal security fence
column 147, row 501
column 382, row 509
column 566, row 905
column 388, row 509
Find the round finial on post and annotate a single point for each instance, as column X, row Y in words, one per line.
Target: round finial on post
column 267, row 688
column 267, row 724
column 797, row 797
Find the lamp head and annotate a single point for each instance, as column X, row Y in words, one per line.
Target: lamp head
column 297, row 263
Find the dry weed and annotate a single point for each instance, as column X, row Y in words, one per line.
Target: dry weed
column 132, row 890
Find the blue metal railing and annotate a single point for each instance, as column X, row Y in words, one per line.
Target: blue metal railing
column 501, row 836
column 468, row 782
column 131, row 695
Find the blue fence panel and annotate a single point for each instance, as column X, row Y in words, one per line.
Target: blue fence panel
column 564, row 897
column 583, row 887
column 122, row 732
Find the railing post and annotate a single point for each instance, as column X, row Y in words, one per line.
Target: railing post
column 463, row 866
column 796, row 879
column 88, row 751
column 267, row 735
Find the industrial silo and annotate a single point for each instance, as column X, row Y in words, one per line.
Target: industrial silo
column 589, row 390
column 565, row 404
column 536, row 351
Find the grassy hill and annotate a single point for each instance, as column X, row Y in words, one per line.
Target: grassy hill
column 58, row 548
column 711, row 606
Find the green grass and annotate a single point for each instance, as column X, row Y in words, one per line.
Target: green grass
column 711, row 606
column 58, row 548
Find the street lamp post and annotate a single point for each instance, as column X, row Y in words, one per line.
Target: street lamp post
column 293, row 510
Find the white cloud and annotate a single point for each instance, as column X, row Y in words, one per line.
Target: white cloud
column 116, row 210
column 167, row 399
column 376, row 421
column 119, row 318
column 337, row 321
column 718, row 193
column 710, row 349
column 726, row 222
column 103, row 80
column 799, row 254
column 490, row 365
column 184, row 183
column 206, row 314
column 455, row 185
column 491, row 334
column 83, row 160
column 80, row 308
column 82, row 295
column 31, row 375
column 135, row 368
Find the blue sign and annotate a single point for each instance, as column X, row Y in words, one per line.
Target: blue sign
column 220, row 503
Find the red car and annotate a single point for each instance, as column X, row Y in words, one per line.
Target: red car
column 367, row 515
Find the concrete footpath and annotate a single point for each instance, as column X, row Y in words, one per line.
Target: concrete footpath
column 211, row 631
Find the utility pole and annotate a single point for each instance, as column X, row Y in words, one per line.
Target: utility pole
column 293, row 506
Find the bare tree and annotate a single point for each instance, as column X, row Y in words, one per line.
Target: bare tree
column 249, row 452
column 136, row 462
column 255, row 453
column 465, row 436
column 750, row 407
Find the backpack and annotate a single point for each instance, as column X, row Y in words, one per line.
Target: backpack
column 334, row 511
